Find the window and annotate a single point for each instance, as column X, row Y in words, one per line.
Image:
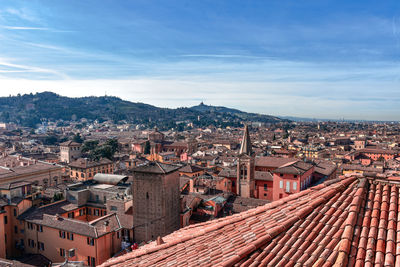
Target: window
column 118, row 234
column 281, row 174
column 97, row 198
column 16, row 229
column 81, row 212
column 31, row 243
column 294, row 185
column 265, row 186
column 70, row 236
column 96, row 212
column 147, row 195
column 125, row 232
column 15, row 212
column 280, row 184
column 90, row 241
column 62, row 252
column 40, row 246
column 113, row 208
column 39, row 228
column 71, row 215
column 30, row 226
column 5, row 220
column 89, row 211
column 62, row 234
column 288, row 186
column 295, row 176
column 265, row 195
column 105, row 199
column 91, row 261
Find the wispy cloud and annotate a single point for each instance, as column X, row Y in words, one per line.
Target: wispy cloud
column 22, row 13
column 25, row 28
column 8, row 67
column 224, row 56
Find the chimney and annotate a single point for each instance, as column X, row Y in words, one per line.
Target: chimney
column 160, row 241
column 106, row 226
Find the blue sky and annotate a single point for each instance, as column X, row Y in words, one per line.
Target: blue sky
column 319, row 59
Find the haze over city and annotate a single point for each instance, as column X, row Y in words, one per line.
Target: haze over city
column 316, row 59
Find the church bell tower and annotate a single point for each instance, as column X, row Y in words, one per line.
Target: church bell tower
column 245, row 167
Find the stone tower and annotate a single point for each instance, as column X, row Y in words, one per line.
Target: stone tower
column 245, row 167
column 70, row 151
column 156, row 201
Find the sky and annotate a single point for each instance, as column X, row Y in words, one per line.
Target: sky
column 313, row 58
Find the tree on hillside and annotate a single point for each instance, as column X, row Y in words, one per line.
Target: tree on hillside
column 96, row 151
column 77, row 138
column 89, row 145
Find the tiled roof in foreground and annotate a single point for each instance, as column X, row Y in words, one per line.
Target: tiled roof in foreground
column 343, row 222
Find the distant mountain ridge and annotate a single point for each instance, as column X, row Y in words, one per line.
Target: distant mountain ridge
column 31, row 109
column 206, row 108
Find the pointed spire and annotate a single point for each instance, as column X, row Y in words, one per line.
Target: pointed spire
column 245, row 147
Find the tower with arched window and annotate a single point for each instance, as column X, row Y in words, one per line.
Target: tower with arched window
column 245, row 167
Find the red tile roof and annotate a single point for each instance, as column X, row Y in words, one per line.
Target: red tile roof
column 273, row 162
column 349, row 221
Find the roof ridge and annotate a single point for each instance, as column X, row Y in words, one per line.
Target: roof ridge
column 159, row 166
column 101, row 218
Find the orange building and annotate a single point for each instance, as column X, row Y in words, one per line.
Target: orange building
column 84, row 169
column 49, row 232
column 376, row 154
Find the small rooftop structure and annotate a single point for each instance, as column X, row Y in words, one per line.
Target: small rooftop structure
column 111, row 179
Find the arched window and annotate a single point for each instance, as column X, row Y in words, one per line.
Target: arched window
column 243, row 172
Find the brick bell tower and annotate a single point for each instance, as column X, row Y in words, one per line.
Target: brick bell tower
column 245, row 167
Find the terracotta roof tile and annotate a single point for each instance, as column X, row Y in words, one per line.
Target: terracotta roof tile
column 352, row 221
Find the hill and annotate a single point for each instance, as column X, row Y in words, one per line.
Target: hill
column 30, row 109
